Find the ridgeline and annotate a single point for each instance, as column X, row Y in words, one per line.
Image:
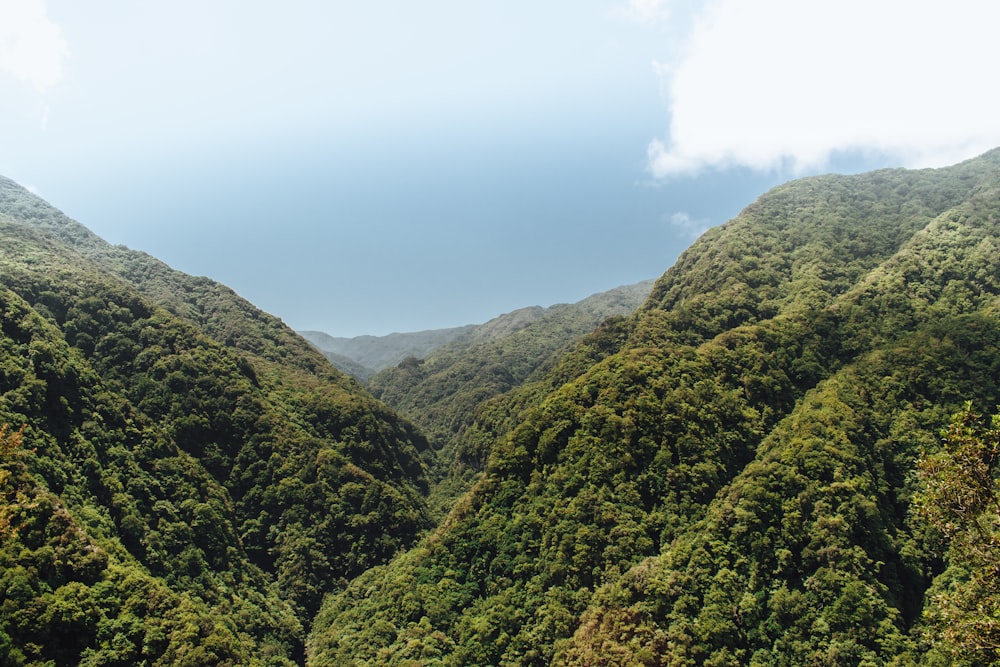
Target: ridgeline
column 776, row 460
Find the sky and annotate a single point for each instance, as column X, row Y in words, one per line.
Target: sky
column 388, row 165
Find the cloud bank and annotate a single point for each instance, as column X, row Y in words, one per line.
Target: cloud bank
column 787, row 84
column 32, row 48
column 644, row 11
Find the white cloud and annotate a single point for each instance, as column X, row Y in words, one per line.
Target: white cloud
column 645, row 11
column 32, row 48
column 686, row 226
column 786, row 83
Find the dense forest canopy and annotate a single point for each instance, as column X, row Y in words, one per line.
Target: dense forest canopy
column 726, row 478
column 449, row 390
column 781, row 458
column 193, row 442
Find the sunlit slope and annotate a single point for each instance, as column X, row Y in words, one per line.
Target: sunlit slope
column 728, row 483
column 445, row 393
column 208, row 452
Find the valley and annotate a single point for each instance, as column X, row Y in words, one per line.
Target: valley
column 739, row 463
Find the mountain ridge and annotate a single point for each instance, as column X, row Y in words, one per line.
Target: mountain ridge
column 223, row 472
column 728, row 481
column 365, row 356
column 731, row 474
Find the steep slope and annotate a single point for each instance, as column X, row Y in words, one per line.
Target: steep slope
column 728, row 481
column 444, row 393
column 214, row 308
column 207, row 450
column 116, row 545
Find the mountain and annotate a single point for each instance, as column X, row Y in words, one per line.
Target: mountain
column 326, row 344
column 446, row 392
column 364, row 356
column 731, row 476
column 183, row 477
column 776, row 460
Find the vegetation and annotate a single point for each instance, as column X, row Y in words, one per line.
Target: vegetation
column 365, row 356
column 206, row 467
column 749, row 470
column 446, row 392
column 958, row 498
column 726, row 478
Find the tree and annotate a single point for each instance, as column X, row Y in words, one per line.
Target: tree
column 10, row 448
column 959, row 497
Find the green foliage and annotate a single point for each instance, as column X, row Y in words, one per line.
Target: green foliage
column 958, row 498
column 100, row 496
column 226, row 473
column 451, row 395
column 725, row 478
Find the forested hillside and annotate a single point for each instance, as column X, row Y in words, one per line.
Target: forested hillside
column 444, row 393
column 183, row 476
column 365, row 356
column 782, row 458
column 743, row 473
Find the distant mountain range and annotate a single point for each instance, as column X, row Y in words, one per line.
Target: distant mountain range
column 364, row 356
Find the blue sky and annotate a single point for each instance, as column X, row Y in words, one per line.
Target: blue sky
column 363, row 168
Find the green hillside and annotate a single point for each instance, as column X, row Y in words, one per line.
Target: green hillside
column 727, row 478
column 363, row 357
column 779, row 459
column 446, row 392
column 191, row 477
